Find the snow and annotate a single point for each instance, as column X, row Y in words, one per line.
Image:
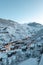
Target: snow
column 15, row 30
column 11, row 31
column 31, row 61
column 41, row 62
column 3, row 55
column 32, row 45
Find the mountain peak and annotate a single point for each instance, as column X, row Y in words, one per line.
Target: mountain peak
column 33, row 24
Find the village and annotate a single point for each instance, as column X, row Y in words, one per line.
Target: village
column 20, row 50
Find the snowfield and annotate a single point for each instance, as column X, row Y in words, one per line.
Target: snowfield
column 31, row 61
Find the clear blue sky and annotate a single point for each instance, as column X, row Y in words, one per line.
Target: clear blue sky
column 22, row 10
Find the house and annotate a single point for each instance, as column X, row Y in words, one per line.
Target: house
column 8, row 45
column 3, row 49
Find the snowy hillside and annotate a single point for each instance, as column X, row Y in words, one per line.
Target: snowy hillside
column 12, row 31
column 21, row 44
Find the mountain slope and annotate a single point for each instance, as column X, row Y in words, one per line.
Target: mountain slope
column 12, row 31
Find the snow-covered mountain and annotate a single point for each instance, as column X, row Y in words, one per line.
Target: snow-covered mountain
column 12, row 31
column 31, row 48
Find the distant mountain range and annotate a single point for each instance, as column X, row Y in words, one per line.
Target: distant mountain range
column 13, row 31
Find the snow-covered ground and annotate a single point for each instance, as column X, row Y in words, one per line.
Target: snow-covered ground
column 41, row 62
column 30, row 51
column 31, row 61
column 12, row 31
